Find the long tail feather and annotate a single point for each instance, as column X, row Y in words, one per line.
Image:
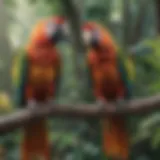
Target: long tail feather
column 35, row 145
column 115, row 138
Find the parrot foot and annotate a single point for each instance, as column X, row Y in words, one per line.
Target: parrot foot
column 101, row 103
column 32, row 104
column 120, row 103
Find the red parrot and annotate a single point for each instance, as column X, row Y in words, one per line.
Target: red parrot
column 111, row 78
column 38, row 78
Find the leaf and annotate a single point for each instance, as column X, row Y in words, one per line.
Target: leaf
column 5, row 103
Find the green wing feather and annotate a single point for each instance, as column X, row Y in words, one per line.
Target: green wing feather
column 127, row 71
column 20, row 78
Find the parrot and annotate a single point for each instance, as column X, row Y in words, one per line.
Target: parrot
column 112, row 76
column 37, row 81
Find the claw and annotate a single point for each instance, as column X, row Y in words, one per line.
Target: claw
column 120, row 104
column 32, row 104
column 101, row 104
column 120, row 101
column 103, row 107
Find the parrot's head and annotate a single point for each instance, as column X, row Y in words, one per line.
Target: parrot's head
column 90, row 35
column 99, row 39
column 47, row 32
column 57, row 29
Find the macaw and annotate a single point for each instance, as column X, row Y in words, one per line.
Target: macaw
column 111, row 79
column 38, row 75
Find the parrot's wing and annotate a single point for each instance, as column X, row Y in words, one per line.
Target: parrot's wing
column 20, row 78
column 127, row 72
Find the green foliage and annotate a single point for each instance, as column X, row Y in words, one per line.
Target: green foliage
column 81, row 138
column 10, row 3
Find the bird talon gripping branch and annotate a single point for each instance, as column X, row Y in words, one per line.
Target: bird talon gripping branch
column 120, row 103
column 32, row 104
column 101, row 105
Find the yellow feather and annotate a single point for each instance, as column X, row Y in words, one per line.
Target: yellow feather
column 130, row 68
column 16, row 68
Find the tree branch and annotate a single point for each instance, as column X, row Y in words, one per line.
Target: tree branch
column 24, row 116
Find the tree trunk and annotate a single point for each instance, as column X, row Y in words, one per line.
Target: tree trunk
column 72, row 10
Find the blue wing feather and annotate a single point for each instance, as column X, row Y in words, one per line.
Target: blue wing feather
column 127, row 80
column 22, row 80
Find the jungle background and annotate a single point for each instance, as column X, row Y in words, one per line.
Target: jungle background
column 135, row 25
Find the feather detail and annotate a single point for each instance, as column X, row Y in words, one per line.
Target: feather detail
column 127, row 73
column 20, row 77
